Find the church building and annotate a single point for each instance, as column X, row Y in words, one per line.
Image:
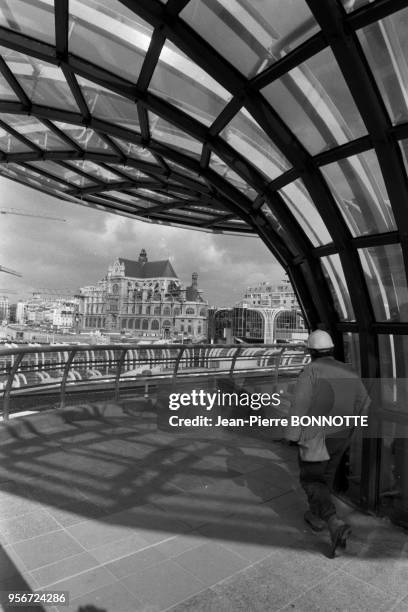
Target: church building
column 144, row 299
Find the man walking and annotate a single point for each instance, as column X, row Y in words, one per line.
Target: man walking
column 325, row 387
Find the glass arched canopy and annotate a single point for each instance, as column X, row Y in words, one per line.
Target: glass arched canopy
column 283, row 118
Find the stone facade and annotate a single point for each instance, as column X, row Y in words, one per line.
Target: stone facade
column 144, row 299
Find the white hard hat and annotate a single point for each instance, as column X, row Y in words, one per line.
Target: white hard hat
column 320, row 340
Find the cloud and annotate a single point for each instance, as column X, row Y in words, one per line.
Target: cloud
column 57, row 255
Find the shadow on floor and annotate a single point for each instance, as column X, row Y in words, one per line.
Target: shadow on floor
column 98, row 495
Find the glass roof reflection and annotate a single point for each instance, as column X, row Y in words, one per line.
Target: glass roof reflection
column 169, row 134
column 385, row 44
column 187, row 86
column 314, row 101
column 86, row 138
column 35, row 131
column 245, row 135
column 32, row 17
column 41, row 81
column 109, row 35
column 251, row 35
column 109, row 106
column 302, row 207
column 358, row 187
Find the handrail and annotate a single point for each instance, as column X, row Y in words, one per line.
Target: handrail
column 121, row 361
column 67, row 368
column 57, row 348
column 199, row 359
column 9, row 384
column 234, row 359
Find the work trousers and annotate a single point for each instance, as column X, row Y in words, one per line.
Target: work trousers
column 317, row 477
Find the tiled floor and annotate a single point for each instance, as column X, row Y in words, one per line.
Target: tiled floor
column 127, row 517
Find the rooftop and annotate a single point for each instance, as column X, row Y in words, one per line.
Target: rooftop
column 148, row 269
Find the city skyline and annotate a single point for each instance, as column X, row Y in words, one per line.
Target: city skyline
column 57, row 255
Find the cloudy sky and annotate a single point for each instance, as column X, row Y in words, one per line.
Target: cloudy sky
column 57, row 255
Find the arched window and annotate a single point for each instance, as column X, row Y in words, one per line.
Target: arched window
column 190, row 311
column 157, row 311
column 166, row 311
column 145, row 324
column 155, row 325
column 203, row 312
column 137, row 323
column 147, row 310
column 166, row 324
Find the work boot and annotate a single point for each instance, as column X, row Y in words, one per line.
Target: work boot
column 339, row 532
column 314, row 521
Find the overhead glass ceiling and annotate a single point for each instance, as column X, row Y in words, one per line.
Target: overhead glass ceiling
column 282, row 118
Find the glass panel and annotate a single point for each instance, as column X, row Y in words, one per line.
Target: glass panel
column 180, row 81
column 22, row 177
column 393, row 485
column 352, row 351
column 232, row 177
column 275, row 223
column 11, row 144
column 95, row 170
column 404, row 148
column 352, row 5
column 393, row 356
column 31, row 17
column 136, row 151
column 37, row 132
column 86, row 138
column 385, row 45
column 334, row 274
column 251, row 35
column 393, row 489
column 315, row 102
column 192, row 214
column 247, row 137
column 43, row 180
column 132, row 173
column 43, row 83
column 109, row 106
column 209, row 210
column 182, row 170
column 305, row 212
column 154, row 195
column 109, row 35
column 167, row 133
column 65, row 173
column 126, row 197
column 384, row 271
column 6, row 92
column 358, row 187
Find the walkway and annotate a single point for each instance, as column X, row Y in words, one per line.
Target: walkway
column 100, row 503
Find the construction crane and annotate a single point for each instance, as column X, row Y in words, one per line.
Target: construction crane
column 27, row 213
column 23, row 213
column 9, row 271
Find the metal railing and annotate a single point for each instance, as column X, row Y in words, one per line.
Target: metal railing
column 29, row 370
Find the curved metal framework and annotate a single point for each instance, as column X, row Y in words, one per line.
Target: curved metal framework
column 290, row 124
